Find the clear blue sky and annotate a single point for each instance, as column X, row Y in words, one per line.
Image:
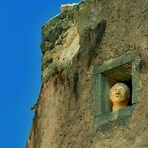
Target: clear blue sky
column 20, row 64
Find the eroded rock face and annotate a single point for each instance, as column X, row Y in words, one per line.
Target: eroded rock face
column 72, row 43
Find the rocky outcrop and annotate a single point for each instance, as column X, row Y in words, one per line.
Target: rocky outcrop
column 83, row 35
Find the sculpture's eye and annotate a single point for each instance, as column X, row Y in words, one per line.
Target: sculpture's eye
column 121, row 90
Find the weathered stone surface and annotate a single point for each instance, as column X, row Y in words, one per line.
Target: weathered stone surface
column 72, row 44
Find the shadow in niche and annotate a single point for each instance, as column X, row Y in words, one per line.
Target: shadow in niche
column 129, row 84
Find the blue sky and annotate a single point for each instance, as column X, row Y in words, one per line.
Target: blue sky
column 20, row 64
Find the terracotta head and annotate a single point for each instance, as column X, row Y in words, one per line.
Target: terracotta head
column 119, row 96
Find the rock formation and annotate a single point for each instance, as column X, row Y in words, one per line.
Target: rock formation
column 73, row 42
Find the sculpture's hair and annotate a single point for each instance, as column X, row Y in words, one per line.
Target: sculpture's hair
column 122, row 85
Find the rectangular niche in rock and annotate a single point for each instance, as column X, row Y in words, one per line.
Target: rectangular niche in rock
column 122, row 71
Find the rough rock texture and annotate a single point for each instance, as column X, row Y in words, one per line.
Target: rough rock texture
column 72, row 43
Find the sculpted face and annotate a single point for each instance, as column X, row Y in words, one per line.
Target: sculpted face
column 119, row 96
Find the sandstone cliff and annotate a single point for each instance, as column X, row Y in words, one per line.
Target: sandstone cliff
column 82, row 36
